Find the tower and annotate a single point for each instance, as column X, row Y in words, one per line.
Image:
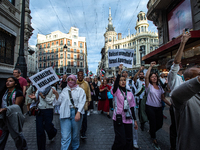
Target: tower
column 141, row 24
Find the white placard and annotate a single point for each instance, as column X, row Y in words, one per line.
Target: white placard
column 44, row 78
column 120, row 56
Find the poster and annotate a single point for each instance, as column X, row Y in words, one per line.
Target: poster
column 44, row 78
column 120, row 56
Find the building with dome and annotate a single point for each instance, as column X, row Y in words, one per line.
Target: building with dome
column 143, row 42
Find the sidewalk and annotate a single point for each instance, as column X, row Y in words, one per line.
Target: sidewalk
column 100, row 134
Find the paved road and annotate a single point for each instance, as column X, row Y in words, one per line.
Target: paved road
column 100, row 134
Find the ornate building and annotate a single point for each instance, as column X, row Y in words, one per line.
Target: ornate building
column 143, row 42
column 32, row 61
column 66, row 52
column 10, row 20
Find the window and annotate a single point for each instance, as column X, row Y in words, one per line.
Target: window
column 68, row 49
column 142, row 29
column 40, row 58
column 44, row 45
column 61, row 55
column 68, row 43
column 56, row 63
column 151, row 48
column 68, row 56
column 75, row 36
column 40, row 46
column 56, row 49
column 139, row 30
column 44, row 58
column 74, row 43
column 57, row 56
column 48, row 65
column 52, row 56
column 61, row 62
column 145, row 28
column 155, row 40
column 81, row 56
column 81, row 51
column 115, row 47
column 110, row 39
column 133, row 43
column 81, row 45
column 51, row 63
column 52, row 43
column 12, row 2
column 81, row 64
column 40, row 65
column 61, row 42
column 61, row 49
column 74, row 50
column 74, row 56
column 109, row 47
column 151, row 40
column 48, row 57
column 68, row 63
column 56, row 42
column 48, row 45
column 74, row 64
column 44, row 65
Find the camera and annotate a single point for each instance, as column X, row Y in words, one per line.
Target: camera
column 187, row 30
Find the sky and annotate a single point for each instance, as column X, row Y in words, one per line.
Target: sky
column 90, row 16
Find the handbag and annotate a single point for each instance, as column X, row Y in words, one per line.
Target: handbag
column 142, row 115
column 72, row 101
column 102, row 95
column 110, row 96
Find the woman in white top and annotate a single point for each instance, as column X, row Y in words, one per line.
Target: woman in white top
column 70, row 112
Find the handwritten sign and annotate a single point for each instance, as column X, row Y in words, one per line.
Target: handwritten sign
column 120, row 56
column 44, row 78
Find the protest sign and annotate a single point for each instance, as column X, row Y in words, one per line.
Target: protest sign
column 44, row 78
column 120, row 56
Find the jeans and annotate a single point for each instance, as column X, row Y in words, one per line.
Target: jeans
column 123, row 137
column 44, row 123
column 70, row 130
column 84, row 124
column 155, row 116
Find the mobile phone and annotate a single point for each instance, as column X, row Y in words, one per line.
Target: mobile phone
column 187, row 30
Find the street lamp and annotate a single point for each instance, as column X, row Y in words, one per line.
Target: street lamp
column 65, row 49
column 141, row 52
column 21, row 63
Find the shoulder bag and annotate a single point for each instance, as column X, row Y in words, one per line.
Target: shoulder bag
column 72, row 101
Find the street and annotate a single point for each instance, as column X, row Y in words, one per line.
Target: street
column 100, row 134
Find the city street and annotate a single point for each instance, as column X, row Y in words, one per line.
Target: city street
column 100, row 134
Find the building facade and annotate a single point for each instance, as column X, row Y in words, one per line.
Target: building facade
column 170, row 19
column 32, row 61
column 143, row 42
column 10, row 20
column 66, row 52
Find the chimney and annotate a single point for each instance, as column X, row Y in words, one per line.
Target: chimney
column 119, row 36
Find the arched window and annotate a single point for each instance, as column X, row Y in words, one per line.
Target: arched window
column 139, row 30
column 142, row 29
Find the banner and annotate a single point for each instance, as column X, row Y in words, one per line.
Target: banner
column 44, row 78
column 120, row 56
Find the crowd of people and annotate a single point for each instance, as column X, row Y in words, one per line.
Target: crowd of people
column 128, row 98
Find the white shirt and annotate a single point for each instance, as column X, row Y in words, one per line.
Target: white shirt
column 163, row 80
column 174, row 80
column 139, row 86
column 79, row 97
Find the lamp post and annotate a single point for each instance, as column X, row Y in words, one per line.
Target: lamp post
column 21, row 62
column 141, row 51
column 65, row 49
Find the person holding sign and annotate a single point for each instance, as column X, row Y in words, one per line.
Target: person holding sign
column 123, row 114
column 44, row 116
column 71, row 100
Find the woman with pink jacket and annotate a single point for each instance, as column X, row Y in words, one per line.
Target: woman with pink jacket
column 123, row 114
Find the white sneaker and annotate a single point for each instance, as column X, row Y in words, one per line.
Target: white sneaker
column 136, row 146
column 91, row 110
column 88, row 113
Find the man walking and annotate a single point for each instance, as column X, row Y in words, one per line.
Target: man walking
column 85, row 86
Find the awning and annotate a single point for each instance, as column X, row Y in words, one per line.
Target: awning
column 8, row 29
column 170, row 46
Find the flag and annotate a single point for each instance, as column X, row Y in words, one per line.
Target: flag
column 53, row 65
column 59, row 75
column 90, row 73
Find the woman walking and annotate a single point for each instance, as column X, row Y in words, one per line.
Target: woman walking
column 123, row 114
column 153, row 103
column 103, row 105
column 11, row 115
column 71, row 100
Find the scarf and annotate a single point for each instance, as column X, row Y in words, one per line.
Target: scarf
column 72, row 84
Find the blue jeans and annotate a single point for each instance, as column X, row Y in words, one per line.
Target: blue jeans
column 44, row 123
column 70, row 130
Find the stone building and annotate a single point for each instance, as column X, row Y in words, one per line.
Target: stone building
column 171, row 17
column 143, row 42
column 66, row 52
column 32, row 61
column 10, row 20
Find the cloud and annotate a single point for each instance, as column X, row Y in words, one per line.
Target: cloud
column 90, row 16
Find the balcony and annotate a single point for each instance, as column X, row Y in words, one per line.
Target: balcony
column 68, row 44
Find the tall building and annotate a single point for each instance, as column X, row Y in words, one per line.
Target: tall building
column 66, row 52
column 143, row 42
column 171, row 17
column 32, row 61
column 10, row 23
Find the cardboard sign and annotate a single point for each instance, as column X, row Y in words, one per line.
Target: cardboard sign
column 120, row 56
column 44, row 78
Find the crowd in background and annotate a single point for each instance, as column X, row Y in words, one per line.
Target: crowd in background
column 128, row 98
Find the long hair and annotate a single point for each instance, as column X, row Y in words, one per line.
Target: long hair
column 150, row 77
column 5, row 88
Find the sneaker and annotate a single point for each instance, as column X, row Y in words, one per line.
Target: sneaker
column 83, row 137
column 88, row 113
column 155, row 145
column 136, row 146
